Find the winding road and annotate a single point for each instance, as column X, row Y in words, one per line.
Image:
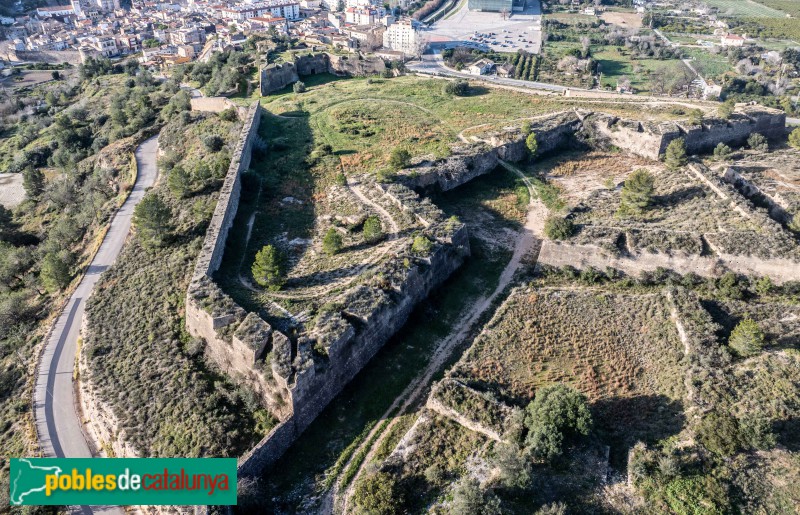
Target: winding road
column 58, row 422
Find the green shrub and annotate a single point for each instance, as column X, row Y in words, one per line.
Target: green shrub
column 696, row 495
column 725, row 110
column 558, row 412
column 458, row 88
column 757, row 141
column 332, row 241
column 675, row 157
column 470, row 498
column 532, row 144
column 794, row 138
column 299, row 87
column 747, row 338
column 378, row 494
column 268, row 268
column 341, row 179
column 373, row 230
column 399, row 158
column 722, row 152
column 558, row 228
column 637, row 194
column 695, row 117
column 719, row 433
column 421, row 246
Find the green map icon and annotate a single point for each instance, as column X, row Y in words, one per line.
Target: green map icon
column 27, row 478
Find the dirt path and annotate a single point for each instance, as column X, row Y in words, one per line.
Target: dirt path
column 527, row 244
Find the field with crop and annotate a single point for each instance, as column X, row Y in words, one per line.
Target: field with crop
column 621, row 351
column 748, row 8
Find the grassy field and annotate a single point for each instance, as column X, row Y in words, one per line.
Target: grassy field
column 749, row 8
column 709, row 65
column 621, row 351
column 615, row 64
column 788, row 6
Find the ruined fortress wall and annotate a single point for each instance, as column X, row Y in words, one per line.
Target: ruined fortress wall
column 44, row 56
column 352, row 350
column 559, row 254
column 214, row 243
column 353, row 66
column 277, row 76
column 650, row 140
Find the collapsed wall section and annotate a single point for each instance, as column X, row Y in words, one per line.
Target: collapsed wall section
column 650, row 139
column 277, row 76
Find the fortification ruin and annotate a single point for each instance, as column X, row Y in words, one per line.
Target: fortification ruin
column 277, row 76
column 298, row 376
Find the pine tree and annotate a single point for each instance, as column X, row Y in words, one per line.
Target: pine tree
column 637, row 193
column 55, row 272
column 152, row 219
column 268, row 268
column 746, row 339
column 332, row 242
column 675, row 157
column 373, row 230
column 532, row 144
column 33, row 181
column 179, row 182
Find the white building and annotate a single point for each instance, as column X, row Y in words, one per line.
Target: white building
column 289, row 9
column 363, row 16
column 402, row 36
column 59, row 10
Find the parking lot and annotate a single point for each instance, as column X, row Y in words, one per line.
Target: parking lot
column 488, row 30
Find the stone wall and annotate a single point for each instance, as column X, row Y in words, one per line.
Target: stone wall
column 650, row 139
column 275, row 77
column 297, row 384
column 214, row 243
column 351, row 335
column 470, row 160
column 646, row 139
column 47, row 56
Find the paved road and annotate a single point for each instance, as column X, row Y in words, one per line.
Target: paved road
column 432, row 64
column 57, row 421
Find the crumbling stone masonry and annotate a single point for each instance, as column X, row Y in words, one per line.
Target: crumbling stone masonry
column 646, row 139
column 275, row 77
column 297, row 379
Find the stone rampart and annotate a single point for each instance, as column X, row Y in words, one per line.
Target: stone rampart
column 471, row 160
column 214, row 243
column 650, row 139
column 275, row 77
column 345, row 339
